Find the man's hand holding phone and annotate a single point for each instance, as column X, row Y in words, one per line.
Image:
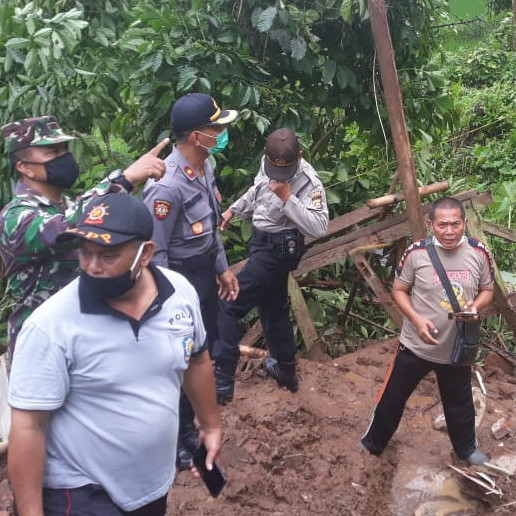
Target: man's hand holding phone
column 214, row 478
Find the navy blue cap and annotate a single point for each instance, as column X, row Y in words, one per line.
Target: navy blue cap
column 197, row 110
column 112, row 219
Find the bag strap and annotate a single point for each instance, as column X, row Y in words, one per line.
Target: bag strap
column 438, row 266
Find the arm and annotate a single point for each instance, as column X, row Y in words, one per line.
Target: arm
column 27, row 459
column 308, row 208
column 199, row 385
column 484, row 297
column 164, row 204
column 147, row 166
column 226, row 219
column 424, row 327
column 244, row 206
column 228, row 286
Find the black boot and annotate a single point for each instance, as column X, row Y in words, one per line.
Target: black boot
column 225, row 380
column 188, row 437
column 283, row 372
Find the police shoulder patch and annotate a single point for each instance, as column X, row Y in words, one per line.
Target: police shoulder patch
column 161, row 208
column 316, row 199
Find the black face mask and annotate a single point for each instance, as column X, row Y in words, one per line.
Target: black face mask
column 62, row 171
column 111, row 288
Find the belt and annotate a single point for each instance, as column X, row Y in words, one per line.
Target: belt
column 274, row 238
column 198, row 260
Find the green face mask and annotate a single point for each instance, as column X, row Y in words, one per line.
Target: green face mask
column 221, row 142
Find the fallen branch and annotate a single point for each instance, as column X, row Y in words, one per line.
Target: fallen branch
column 372, row 323
column 249, row 352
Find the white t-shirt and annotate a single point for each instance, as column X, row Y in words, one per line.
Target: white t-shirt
column 112, row 385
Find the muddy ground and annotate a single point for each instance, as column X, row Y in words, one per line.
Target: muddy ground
column 298, row 454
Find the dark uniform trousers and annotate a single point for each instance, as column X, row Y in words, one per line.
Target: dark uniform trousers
column 263, row 283
column 405, row 373
column 200, row 272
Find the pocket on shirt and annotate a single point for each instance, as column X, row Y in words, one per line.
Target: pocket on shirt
column 198, row 218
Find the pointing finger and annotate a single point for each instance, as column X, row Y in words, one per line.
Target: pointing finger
column 158, row 148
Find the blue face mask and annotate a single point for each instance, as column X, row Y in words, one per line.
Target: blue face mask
column 221, row 142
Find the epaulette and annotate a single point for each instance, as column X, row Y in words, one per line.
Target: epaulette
column 418, row 245
column 481, row 247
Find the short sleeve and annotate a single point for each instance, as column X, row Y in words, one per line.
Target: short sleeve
column 39, row 376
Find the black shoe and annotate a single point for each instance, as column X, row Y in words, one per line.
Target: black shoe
column 283, row 372
column 225, row 381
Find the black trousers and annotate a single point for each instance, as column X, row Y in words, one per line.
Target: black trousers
column 405, row 373
column 200, row 272
column 263, row 283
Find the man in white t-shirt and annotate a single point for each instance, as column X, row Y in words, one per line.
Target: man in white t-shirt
column 428, row 334
column 97, row 373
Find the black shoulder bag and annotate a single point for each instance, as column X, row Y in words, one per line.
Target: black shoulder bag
column 465, row 347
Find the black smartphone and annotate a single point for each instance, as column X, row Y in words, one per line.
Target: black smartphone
column 464, row 315
column 215, row 479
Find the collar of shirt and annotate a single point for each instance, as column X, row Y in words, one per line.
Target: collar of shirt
column 23, row 191
column 91, row 304
column 438, row 244
column 178, row 160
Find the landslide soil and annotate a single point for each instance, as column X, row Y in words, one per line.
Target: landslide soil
column 298, row 454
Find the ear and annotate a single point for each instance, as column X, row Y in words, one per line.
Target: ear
column 24, row 169
column 148, row 253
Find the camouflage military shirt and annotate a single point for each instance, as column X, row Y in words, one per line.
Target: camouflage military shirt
column 36, row 267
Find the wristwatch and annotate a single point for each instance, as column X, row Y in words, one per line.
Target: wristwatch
column 117, row 178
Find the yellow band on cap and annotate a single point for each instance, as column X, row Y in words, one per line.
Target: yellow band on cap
column 280, row 162
column 217, row 112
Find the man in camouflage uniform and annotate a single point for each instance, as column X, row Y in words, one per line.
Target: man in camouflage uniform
column 35, row 265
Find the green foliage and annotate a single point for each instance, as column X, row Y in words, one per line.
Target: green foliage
column 498, row 6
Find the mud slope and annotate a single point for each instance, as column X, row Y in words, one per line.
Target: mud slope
column 298, row 454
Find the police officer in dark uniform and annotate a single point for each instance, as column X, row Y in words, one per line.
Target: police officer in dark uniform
column 287, row 202
column 186, row 213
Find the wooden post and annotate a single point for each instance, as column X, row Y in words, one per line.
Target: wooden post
column 315, row 347
column 393, row 100
column 500, row 298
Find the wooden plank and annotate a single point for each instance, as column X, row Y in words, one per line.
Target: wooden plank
column 474, row 228
column 499, row 231
column 303, row 318
column 377, row 286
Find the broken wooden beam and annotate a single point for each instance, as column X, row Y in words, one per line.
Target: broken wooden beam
column 395, row 198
